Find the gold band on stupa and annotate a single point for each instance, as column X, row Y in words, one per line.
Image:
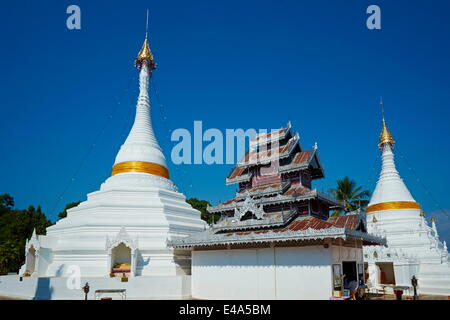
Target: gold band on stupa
column 393, row 205
column 141, row 166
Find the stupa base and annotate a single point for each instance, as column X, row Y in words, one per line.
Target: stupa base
column 58, row 288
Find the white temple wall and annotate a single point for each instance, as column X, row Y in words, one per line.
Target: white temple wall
column 268, row 273
column 89, row 263
column 402, row 273
column 151, row 217
column 303, row 273
column 45, row 258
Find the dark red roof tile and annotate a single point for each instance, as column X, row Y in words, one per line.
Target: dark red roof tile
column 349, row 221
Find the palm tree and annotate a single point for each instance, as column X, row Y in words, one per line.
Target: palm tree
column 351, row 195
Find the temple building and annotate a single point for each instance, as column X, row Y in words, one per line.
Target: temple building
column 117, row 238
column 413, row 247
column 275, row 238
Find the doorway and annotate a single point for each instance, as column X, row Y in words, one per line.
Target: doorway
column 350, row 271
column 121, row 259
column 387, row 275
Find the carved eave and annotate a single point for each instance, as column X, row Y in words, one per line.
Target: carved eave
column 33, row 242
column 258, row 159
column 207, row 238
column 278, row 199
column 122, row 237
column 266, row 138
column 265, row 190
column 313, row 163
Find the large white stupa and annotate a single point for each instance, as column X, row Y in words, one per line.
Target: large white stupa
column 121, row 229
column 413, row 247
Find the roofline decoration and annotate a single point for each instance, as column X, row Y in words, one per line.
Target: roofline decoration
column 242, row 178
column 122, row 237
column 281, row 199
column 275, row 156
column 33, row 242
column 249, row 205
column 284, row 169
column 254, row 224
column 267, row 191
column 256, row 142
column 206, row 239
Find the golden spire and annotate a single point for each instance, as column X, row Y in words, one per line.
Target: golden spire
column 422, row 214
column 145, row 54
column 385, row 136
column 433, row 219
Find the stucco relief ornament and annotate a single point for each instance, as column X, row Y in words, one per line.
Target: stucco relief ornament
column 121, row 237
column 249, row 205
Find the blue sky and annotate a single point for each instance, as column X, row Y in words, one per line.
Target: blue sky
column 231, row 64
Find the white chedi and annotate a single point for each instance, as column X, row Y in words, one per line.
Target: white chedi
column 128, row 221
column 413, row 247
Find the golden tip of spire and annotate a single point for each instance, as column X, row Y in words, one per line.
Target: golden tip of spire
column 145, row 55
column 385, row 136
column 433, row 219
column 422, row 214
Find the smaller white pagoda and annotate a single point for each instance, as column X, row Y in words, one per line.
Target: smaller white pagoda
column 413, row 247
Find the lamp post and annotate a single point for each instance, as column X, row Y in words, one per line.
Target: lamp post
column 86, row 290
column 414, row 284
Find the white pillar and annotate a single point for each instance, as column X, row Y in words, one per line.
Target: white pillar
column 108, row 263
column 133, row 263
column 374, row 274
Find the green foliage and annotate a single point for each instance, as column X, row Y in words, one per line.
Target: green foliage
column 63, row 213
column 15, row 227
column 353, row 197
column 6, row 203
column 201, row 206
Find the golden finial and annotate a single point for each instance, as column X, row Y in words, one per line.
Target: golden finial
column 145, row 55
column 433, row 219
column 422, row 214
column 385, row 136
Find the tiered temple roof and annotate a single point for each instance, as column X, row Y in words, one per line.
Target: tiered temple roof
column 275, row 201
column 276, row 171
